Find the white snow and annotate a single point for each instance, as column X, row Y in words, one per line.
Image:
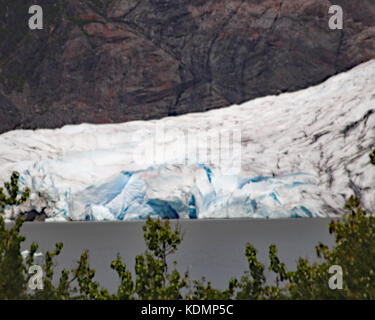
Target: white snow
column 297, row 154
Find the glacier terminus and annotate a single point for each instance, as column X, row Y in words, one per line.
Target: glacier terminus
column 296, row 154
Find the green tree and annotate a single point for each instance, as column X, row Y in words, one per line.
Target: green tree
column 152, row 279
column 14, row 276
column 12, row 195
column 354, row 252
column 12, row 268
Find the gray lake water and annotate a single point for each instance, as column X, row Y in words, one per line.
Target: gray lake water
column 210, row 248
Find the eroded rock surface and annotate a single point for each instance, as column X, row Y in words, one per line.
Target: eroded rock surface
column 104, row 61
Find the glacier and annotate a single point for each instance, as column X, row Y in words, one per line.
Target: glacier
column 297, row 154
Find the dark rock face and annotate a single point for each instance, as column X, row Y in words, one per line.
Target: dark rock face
column 103, row 61
column 34, row 215
column 9, row 114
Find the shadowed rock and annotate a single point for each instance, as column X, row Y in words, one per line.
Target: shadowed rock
column 34, row 215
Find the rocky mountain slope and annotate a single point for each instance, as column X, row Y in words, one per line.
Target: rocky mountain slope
column 104, row 61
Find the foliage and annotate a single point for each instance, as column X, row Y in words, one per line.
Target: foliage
column 11, row 195
column 12, row 269
column 354, row 252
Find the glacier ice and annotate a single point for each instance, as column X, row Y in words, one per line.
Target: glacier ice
column 297, row 155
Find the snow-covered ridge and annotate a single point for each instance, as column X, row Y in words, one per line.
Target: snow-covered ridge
column 299, row 154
